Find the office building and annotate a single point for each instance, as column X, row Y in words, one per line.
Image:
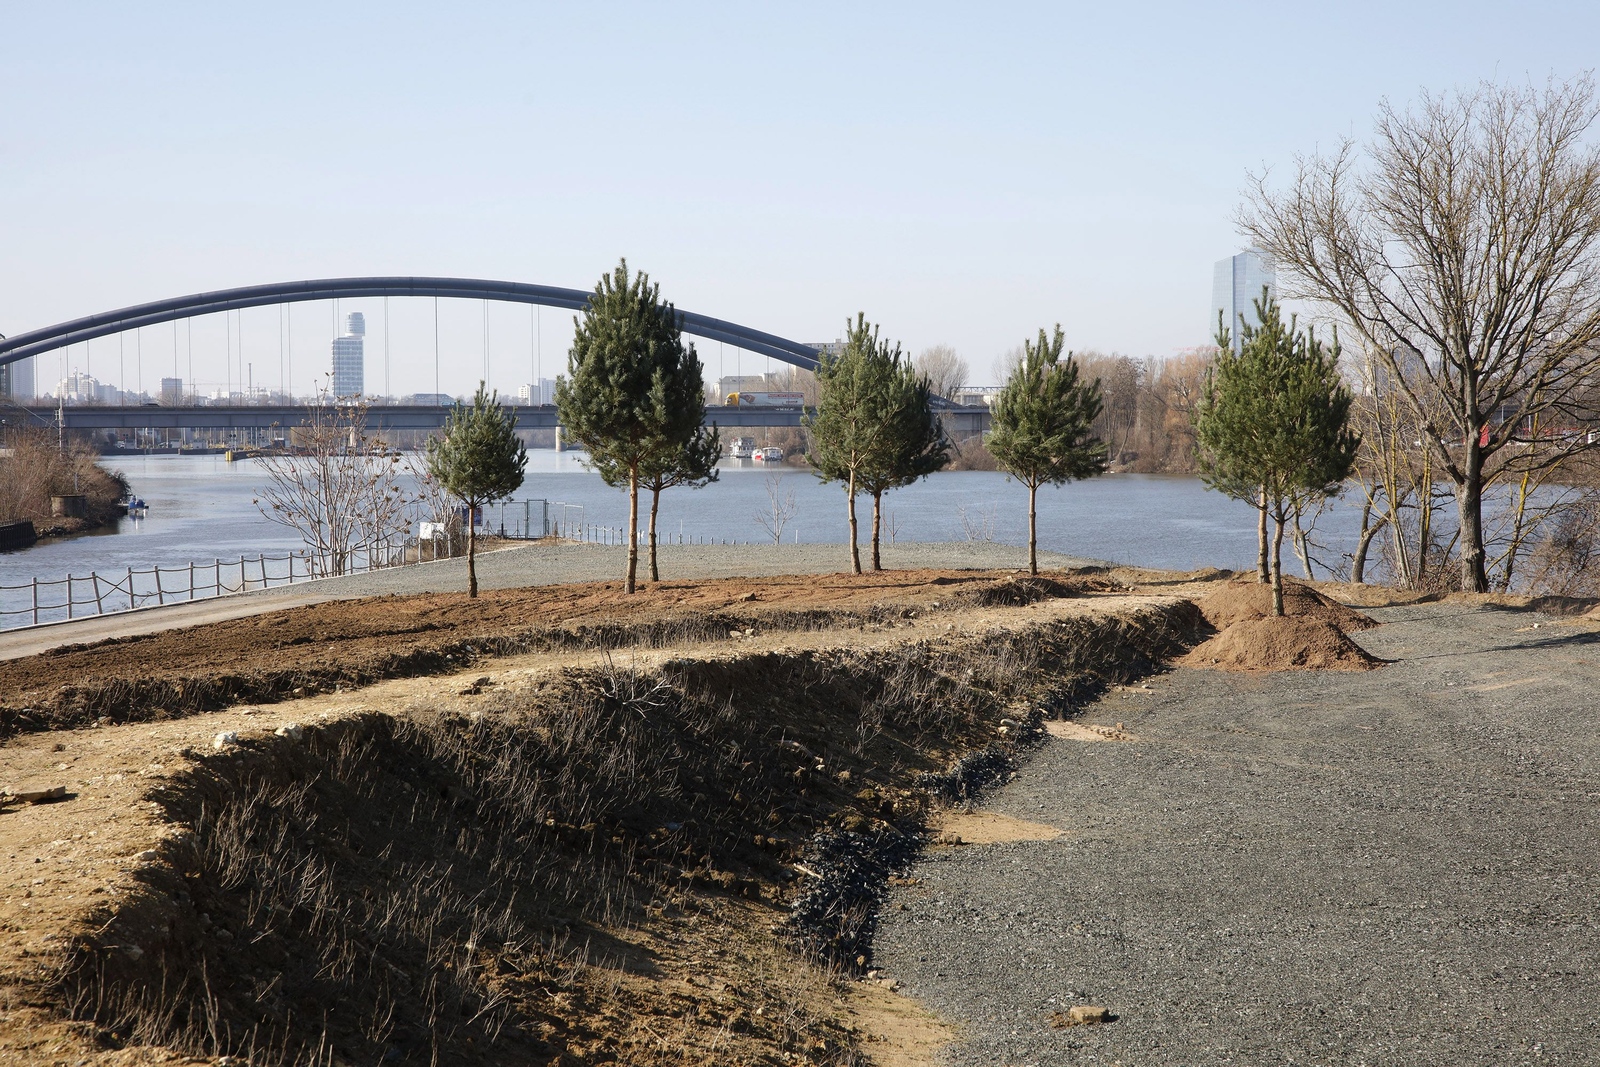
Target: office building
column 541, row 392
column 16, row 381
column 172, row 392
column 80, row 388
column 349, row 357
column 1235, row 287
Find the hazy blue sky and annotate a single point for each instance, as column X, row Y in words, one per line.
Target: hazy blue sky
column 963, row 174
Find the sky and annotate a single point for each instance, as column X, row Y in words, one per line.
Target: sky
column 963, row 174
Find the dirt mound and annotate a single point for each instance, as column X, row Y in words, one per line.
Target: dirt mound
column 1237, row 601
column 1280, row 644
column 1016, row 591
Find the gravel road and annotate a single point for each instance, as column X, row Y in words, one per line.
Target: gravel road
column 539, row 563
column 1394, row 867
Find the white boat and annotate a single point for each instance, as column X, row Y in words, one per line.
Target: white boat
column 770, row 455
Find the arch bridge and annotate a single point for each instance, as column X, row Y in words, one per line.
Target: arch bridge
column 91, row 327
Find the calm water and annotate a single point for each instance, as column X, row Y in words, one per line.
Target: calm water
column 201, row 509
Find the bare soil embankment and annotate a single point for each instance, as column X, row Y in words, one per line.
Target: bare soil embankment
column 605, row 841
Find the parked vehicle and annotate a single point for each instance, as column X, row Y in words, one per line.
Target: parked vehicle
column 765, row 400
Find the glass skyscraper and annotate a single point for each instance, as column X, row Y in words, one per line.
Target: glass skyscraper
column 16, row 380
column 349, row 358
column 1236, row 286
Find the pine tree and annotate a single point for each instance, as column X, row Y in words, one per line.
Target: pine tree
column 478, row 460
column 912, row 447
column 634, row 395
column 694, row 465
column 848, row 431
column 1042, row 426
column 1272, row 425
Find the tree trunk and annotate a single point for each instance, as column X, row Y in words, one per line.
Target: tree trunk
column 633, row 528
column 1277, row 565
column 877, row 512
column 850, row 507
column 1302, row 546
column 1469, row 502
column 472, row 553
column 1369, row 530
column 1033, row 530
column 655, row 505
column 1261, row 541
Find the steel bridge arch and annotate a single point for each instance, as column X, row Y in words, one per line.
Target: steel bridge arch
column 90, row 327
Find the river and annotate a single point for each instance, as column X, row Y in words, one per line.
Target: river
column 201, row 509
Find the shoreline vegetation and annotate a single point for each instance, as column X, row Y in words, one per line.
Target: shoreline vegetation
column 39, row 479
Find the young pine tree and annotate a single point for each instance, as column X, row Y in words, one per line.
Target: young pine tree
column 912, row 446
column 1042, row 426
column 1272, row 424
column 848, row 431
column 694, row 464
column 477, row 461
column 633, row 396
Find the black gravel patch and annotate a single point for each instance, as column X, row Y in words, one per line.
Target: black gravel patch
column 836, row 916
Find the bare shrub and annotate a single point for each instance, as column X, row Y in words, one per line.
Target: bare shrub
column 780, row 508
column 340, row 489
column 977, row 524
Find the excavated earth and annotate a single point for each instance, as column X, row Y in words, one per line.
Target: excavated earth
column 558, row 825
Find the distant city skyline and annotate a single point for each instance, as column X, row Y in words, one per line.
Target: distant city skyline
column 939, row 168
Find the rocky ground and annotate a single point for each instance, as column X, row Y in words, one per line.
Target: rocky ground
column 1390, row 866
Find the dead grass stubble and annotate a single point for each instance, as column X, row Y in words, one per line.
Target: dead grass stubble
column 438, row 888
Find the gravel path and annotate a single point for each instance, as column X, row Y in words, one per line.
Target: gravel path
column 539, row 563
column 1394, row 867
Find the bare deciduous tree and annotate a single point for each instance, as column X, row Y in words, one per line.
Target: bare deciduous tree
column 1461, row 246
column 341, row 490
column 779, row 510
column 946, row 372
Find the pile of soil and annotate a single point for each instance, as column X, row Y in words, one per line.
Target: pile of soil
column 1290, row 643
column 1311, row 634
column 1243, row 599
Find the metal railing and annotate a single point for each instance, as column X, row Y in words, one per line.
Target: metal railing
column 84, row 596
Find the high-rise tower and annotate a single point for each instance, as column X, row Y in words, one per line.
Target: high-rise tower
column 1236, row 286
column 16, row 380
column 349, row 357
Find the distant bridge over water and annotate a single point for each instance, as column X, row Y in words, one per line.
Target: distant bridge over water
column 959, row 421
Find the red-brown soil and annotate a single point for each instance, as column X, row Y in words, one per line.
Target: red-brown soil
column 347, row 643
column 1246, row 598
column 1293, row 642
